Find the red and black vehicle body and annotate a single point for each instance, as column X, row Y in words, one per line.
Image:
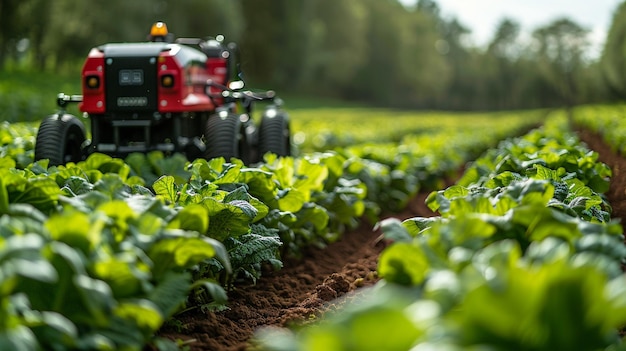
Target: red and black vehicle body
column 172, row 97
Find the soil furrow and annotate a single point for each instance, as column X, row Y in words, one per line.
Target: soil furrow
column 297, row 293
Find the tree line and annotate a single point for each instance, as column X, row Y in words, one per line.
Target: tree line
column 375, row 51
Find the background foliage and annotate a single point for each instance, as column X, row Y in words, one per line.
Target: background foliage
column 377, row 51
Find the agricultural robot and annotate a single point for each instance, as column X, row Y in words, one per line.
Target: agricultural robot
column 180, row 95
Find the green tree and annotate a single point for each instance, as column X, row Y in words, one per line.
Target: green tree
column 403, row 67
column 337, row 46
column 613, row 59
column 12, row 27
column 504, row 43
column 75, row 27
column 465, row 82
column 561, row 48
column 38, row 13
column 429, row 7
column 197, row 18
column 501, row 66
column 62, row 32
column 275, row 41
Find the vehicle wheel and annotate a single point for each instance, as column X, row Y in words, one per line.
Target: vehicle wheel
column 224, row 137
column 274, row 134
column 60, row 139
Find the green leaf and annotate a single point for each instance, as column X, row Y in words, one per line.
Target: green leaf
column 113, row 186
column 21, row 255
column 455, row 191
column 291, row 200
column 214, row 290
column 179, row 250
column 245, row 207
column 7, row 162
column 414, row 226
column 76, row 186
column 261, row 208
column 142, row 313
column 173, row 165
column 194, row 217
column 18, row 338
column 107, row 164
column 96, row 296
column 311, row 177
column 171, row 292
column 381, row 326
column 230, row 219
column 73, row 228
column 139, row 164
column 549, row 250
column 223, row 172
column 39, row 192
column 261, row 183
column 541, row 222
column 165, row 188
column 36, row 269
column 123, row 276
column 4, row 198
column 238, row 194
column 283, row 169
column 54, row 328
column 539, row 308
column 249, row 251
column 393, row 230
column 119, row 217
column 404, row 264
column 502, row 179
column 313, row 214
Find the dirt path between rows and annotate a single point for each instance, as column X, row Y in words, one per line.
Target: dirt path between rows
column 303, row 288
column 300, row 291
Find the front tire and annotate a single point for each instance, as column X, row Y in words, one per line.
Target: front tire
column 274, row 134
column 60, row 139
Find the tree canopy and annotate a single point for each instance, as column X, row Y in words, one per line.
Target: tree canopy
column 376, row 51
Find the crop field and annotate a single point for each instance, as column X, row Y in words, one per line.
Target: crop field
column 387, row 230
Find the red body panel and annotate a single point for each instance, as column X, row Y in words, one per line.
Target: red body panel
column 188, row 91
column 93, row 99
column 218, row 73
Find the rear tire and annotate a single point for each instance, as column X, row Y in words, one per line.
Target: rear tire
column 274, row 134
column 224, row 137
column 60, row 139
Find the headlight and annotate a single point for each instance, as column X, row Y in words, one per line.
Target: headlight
column 167, row 81
column 92, row 82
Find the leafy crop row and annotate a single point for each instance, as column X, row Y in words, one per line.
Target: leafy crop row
column 605, row 120
column 324, row 129
column 98, row 255
column 523, row 257
column 93, row 263
column 17, row 144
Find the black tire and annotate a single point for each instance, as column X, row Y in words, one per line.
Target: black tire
column 274, row 134
column 224, row 137
column 60, row 139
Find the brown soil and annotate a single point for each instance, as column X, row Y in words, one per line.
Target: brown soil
column 305, row 288
column 299, row 292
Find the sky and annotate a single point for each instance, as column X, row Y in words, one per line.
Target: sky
column 483, row 16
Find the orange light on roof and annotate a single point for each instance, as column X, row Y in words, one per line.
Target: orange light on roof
column 158, row 29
